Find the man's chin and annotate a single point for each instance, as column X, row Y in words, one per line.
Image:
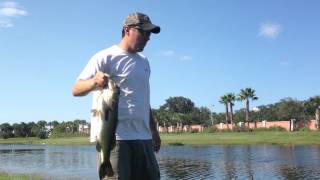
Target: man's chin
column 140, row 49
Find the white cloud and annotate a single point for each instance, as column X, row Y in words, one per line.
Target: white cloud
column 176, row 55
column 9, row 4
column 270, row 30
column 185, row 58
column 9, row 10
column 284, row 63
column 12, row 12
column 168, row 53
column 5, row 24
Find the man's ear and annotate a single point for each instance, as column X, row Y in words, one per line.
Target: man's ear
column 126, row 30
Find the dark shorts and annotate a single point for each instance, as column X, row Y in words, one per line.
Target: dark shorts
column 134, row 160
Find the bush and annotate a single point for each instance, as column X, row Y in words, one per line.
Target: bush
column 176, row 144
column 261, row 129
column 241, row 129
column 42, row 135
column 194, row 131
column 304, row 129
column 225, row 130
column 6, row 135
column 58, row 131
column 211, row 130
column 277, row 128
column 59, row 135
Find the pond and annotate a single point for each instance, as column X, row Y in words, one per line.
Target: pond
column 176, row 162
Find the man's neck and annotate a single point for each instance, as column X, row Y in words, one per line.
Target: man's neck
column 124, row 46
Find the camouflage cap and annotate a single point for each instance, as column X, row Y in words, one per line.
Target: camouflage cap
column 141, row 20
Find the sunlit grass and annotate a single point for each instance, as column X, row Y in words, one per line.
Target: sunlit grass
column 6, row 176
column 72, row 141
column 281, row 138
column 261, row 137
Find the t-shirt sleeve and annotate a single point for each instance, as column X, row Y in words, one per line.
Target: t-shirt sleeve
column 94, row 65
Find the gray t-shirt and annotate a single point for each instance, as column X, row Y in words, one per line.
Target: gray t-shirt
column 131, row 71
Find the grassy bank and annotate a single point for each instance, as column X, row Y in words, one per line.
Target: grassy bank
column 6, row 176
column 70, row 141
column 231, row 138
column 280, row 138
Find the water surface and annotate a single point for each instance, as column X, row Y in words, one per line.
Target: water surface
column 175, row 162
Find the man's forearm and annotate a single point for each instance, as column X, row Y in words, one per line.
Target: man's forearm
column 155, row 134
column 153, row 125
column 83, row 87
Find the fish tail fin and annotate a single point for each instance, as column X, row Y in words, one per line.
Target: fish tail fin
column 105, row 169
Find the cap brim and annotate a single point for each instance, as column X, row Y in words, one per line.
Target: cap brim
column 151, row 28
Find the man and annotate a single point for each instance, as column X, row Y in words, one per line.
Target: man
column 136, row 134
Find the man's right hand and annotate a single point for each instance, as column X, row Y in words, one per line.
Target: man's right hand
column 83, row 87
column 100, row 79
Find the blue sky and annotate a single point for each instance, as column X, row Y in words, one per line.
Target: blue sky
column 205, row 49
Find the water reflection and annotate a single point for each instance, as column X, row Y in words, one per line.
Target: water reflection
column 57, row 162
column 20, row 151
column 240, row 162
column 248, row 165
column 185, row 169
column 229, row 163
column 296, row 163
column 176, row 162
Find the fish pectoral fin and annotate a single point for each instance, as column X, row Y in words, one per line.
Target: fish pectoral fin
column 96, row 112
column 98, row 146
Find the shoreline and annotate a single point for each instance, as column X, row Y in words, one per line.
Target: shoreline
column 19, row 176
column 218, row 138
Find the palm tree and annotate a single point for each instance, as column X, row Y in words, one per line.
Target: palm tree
column 245, row 95
column 231, row 97
column 42, row 124
column 224, row 100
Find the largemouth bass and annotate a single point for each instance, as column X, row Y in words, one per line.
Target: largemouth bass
column 107, row 113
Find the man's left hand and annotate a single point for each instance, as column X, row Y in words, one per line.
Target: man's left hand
column 156, row 141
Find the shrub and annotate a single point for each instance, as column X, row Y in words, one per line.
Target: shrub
column 42, row 135
column 304, row 129
column 59, row 135
column 194, row 131
column 225, row 130
column 241, row 129
column 261, row 129
column 176, row 144
column 211, row 130
column 277, row 128
column 58, row 131
column 4, row 135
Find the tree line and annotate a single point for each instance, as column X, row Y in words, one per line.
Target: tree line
column 181, row 110
column 41, row 129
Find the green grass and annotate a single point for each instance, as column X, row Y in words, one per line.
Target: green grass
column 229, row 138
column 6, row 176
column 69, row 141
